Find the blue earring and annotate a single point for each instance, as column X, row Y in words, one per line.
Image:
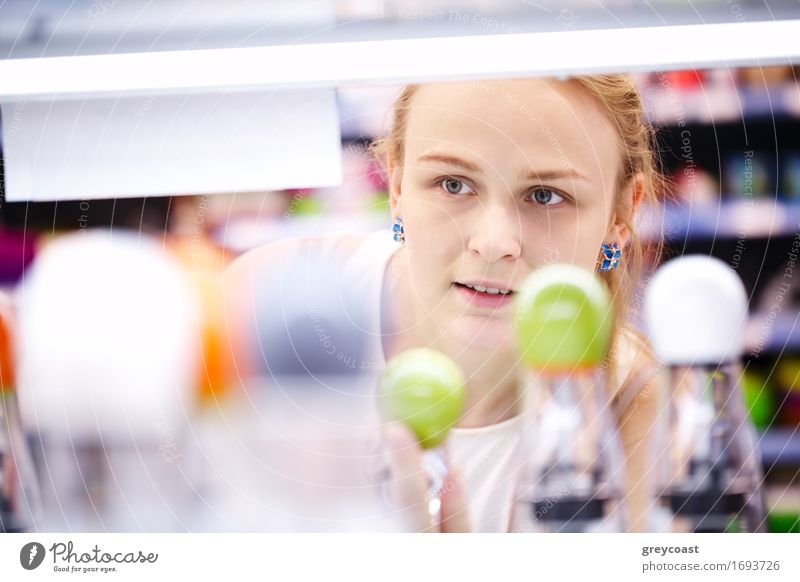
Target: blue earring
column 610, row 257
column 398, row 230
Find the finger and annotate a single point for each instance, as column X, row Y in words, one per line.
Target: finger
column 409, row 485
column 455, row 509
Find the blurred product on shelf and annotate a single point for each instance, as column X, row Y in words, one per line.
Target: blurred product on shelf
column 784, row 500
column 777, row 294
column 568, row 444
column 6, row 342
column 717, row 95
column 201, row 262
column 204, row 263
column 359, row 204
column 379, row 198
column 17, row 249
column 790, row 175
column 764, row 76
column 694, row 186
column 107, row 375
column 749, row 175
column 376, row 177
column 685, row 80
column 301, row 202
column 760, row 90
column 788, row 395
column 20, row 503
column 363, row 183
column 759, row 398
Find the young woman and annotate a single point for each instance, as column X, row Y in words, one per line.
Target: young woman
column 488, row 181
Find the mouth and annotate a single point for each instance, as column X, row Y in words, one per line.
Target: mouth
column 484, row 294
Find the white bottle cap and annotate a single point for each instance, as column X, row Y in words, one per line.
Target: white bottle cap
column 696, row 311
column 108, row 338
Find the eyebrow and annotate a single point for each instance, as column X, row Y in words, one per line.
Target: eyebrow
column 569, row 173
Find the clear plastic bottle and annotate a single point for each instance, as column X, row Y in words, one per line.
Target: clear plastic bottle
column 712, row 478
column 572, row 470
column 571, row 480
column 105, row 370
column 426, row 390
column 709, row 468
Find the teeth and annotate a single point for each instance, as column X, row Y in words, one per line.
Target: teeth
column 490, row 290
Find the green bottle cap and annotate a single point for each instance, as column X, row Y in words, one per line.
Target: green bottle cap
column 563, row 319
column 424, row 389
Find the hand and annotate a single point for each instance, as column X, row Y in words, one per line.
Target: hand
column 409, row 486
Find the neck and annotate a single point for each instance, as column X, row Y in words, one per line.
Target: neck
column 492, row 377
column 492, row 389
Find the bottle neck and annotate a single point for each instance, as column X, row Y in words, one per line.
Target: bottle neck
column 583, row 389
column 717, row 386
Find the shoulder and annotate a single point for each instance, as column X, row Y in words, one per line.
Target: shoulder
column 273, row 254
column 636, row 369
column 272, row 295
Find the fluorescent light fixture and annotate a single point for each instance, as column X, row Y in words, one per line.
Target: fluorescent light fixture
column 409, row 60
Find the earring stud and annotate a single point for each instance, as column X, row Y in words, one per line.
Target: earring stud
column 610, row 257
column 398, row 231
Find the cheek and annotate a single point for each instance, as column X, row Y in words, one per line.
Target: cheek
column 433, row 247
column 425, row 213
column 573, row 238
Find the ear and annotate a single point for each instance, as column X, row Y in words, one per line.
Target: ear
column 625, row 212
column 394, row 177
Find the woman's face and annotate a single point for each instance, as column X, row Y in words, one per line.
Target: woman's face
column 499, row 178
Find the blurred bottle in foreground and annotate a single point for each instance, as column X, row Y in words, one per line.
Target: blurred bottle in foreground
column 708, row 463
column 571, row 477
column 426, row 390
column 108, row 336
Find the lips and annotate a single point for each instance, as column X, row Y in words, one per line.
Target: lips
column 489, row 290
column 484, row 293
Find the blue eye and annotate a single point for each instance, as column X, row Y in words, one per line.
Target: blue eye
column 453, row 186
column 546, row 197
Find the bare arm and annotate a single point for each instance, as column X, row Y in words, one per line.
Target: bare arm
column 636, row 422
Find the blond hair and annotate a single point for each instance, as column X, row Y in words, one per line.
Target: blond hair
column 622, row 102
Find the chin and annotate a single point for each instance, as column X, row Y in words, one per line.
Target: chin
column 481, row 333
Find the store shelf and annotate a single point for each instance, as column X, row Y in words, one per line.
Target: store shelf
column 780, row 447
column 773, row 335
column 719, row 104
column 726, row 220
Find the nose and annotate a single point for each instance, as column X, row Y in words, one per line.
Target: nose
column 495, row 232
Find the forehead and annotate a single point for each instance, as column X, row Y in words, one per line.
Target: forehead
column 525, row 122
